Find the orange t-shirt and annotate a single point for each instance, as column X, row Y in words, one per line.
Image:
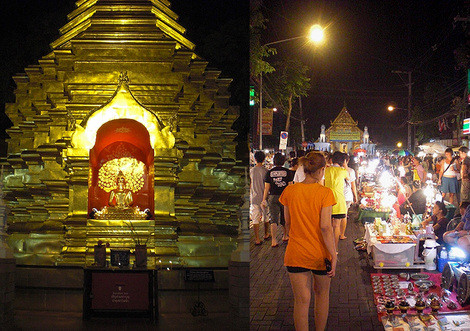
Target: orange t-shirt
column 306, row 247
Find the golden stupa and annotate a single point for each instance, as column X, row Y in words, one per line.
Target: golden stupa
column 122, row 98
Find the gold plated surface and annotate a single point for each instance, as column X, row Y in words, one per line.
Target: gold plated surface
column 122, row 60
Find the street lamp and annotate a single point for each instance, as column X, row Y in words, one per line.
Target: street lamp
column 408, row 119
column 399, row 144
column 316, row 35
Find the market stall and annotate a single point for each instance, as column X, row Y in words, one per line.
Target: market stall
column 395, row 239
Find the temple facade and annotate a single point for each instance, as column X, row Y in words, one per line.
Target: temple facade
column 344, row 135
column 122, row 124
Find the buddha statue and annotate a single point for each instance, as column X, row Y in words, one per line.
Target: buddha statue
column 120, row 204
column 121, row 198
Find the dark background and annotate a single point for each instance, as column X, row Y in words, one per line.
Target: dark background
column 365, row 41
column 218, row 28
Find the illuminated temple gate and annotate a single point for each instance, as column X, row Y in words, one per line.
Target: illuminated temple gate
column 122, row 97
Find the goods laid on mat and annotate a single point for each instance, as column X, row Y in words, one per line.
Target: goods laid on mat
column 454, row 322
column 415, row 293
column 406, row 302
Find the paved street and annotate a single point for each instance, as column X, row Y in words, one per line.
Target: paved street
column 351, row 298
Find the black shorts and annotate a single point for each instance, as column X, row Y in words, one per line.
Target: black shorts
column 296, row 270
column 338, row 216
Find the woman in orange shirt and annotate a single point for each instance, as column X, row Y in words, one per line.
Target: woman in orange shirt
column 307, row 208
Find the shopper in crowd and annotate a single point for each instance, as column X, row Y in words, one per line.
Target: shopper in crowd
column 275, row 181
column 294, row 165
column 308, row 207
column 257, row 213
column 462, row 229
column 335, row 177
column 438, row 220
column 448, row 177
column 416, row 203
column 350, row 195
column 419, row 174
column 464, row 174
column 288, row 161
column 407, row 166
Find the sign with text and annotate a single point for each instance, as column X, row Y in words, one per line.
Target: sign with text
column 195, row 275
column 466, row 126
column 267, row 121
column 345, row 136
column 120, row 291
column 283, row 140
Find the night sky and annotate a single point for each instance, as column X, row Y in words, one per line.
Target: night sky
column 365, row 41
column 29, row 26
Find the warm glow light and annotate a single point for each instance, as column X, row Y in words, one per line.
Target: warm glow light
column 399, row 144
column 274, row 109
column 386, row 180
column 391, row 108
column 316, row 33
column 132, row 169
column 123, row 105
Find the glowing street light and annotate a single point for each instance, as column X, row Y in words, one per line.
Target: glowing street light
column 274, row 109
column 390, row 108
column 316, row 33
column 399, row 144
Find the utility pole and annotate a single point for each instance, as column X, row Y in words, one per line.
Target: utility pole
column 301, row 120
column 408, row 119
column 260, row 115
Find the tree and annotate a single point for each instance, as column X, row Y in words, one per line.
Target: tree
column 290, row 81
column 258, row 52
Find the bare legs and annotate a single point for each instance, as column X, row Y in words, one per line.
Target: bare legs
column 273, row 235
column 285, row 236
column 342, row 228
column 256, row 230
column 302, row 287
column 266, row 230
column 336, row 222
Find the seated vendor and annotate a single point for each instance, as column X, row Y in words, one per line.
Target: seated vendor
column 460, row 236
column 416, row 203
column 439, row 220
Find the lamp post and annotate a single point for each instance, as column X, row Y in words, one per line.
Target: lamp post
column 408, row 119
column 316, row 35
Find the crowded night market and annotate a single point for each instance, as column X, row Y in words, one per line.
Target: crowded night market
column 360, row 166
column 415, row 221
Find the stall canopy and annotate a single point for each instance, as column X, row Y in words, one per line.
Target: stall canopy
column 434, row 147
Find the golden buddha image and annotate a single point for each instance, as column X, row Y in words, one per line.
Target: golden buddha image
column 121, row 177
column 121, row 197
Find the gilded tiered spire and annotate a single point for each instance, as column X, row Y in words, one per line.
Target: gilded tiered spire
column 131, row 58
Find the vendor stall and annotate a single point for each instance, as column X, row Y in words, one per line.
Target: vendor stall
column 391, row 251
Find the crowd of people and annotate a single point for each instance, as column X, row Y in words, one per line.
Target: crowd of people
column 313, row 217
column 309, row 194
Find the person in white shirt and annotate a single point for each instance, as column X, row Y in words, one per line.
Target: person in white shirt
column 350, row 195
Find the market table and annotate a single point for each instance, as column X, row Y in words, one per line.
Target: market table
column 392, row 255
